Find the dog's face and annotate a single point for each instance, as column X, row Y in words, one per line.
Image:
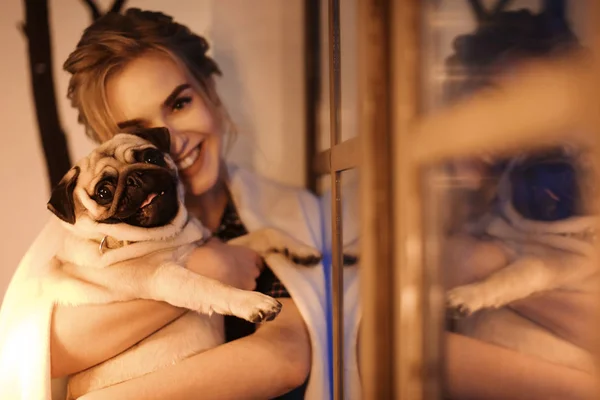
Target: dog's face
column 129, row 180
column 549, row 185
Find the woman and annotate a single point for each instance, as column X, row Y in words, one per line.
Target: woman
column 142, row 69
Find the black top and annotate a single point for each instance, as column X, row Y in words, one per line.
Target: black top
column 235, row 328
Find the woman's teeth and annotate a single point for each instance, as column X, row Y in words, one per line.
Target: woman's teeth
column 190, row 159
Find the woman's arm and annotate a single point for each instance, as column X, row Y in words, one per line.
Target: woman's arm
column 568, row 314
column 269, row 363
column 478, row 370
column 113, row 328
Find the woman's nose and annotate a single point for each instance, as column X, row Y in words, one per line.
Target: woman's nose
column 179, row 142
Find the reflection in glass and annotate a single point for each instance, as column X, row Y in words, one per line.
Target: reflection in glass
column 517, row 233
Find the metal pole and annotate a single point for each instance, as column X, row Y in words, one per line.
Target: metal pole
column 337, row 278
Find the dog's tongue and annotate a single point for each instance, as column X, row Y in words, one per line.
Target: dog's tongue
column 149, row 199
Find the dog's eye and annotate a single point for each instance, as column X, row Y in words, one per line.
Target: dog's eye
column 104, row 193
column 153, row 156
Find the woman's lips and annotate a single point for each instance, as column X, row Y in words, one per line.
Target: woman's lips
column 191, row 157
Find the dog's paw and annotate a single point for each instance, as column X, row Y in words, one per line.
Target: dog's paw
column 350, row 259
column 300, row 254
column 463, row 301
column 257, row 307
column 306, row 260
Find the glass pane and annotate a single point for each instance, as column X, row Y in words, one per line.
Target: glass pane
column 349, row 33
column 512, row 234
column 323, row 141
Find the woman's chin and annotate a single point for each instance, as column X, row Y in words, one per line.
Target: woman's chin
column 203, row 174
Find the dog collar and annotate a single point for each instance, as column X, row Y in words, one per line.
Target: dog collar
column 108, row 243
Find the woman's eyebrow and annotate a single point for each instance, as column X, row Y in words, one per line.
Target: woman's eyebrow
column 130, row 123
column 173, row 96
column 167, row 103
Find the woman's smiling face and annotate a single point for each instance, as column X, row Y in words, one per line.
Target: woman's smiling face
column 154, row 91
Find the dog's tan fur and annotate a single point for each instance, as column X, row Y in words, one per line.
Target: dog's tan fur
column 149, row 263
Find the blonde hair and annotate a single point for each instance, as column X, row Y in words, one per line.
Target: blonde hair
column 114, row 40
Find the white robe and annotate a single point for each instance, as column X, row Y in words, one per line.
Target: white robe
column 25, row 319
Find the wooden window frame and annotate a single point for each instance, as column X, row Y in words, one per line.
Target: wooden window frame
column 402, row 298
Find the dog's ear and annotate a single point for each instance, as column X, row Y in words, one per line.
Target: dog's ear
column 159, row 137
column 61, row 201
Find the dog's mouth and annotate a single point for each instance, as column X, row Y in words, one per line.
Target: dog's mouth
column 152, row 203
column 158, row 208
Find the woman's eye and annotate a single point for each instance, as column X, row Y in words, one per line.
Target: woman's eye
column 181, row 103
column 153, row 156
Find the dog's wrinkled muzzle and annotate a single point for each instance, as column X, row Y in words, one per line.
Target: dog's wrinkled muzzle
column 145, row 197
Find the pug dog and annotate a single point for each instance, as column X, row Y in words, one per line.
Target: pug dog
column 539, row 237
column 128, row 237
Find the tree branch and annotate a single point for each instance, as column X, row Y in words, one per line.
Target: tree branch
column 93, row 7
column 478, row 10
column 117, row 6
column 501, row 6
column 54, row 141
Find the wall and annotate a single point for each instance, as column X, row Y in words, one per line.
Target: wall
column 258, row 45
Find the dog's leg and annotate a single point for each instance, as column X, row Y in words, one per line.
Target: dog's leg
column 525, row 276
column 270, row 240
column 182, row 288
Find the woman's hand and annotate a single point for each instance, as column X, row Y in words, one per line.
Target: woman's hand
column 234, row 265
column 73, row 329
